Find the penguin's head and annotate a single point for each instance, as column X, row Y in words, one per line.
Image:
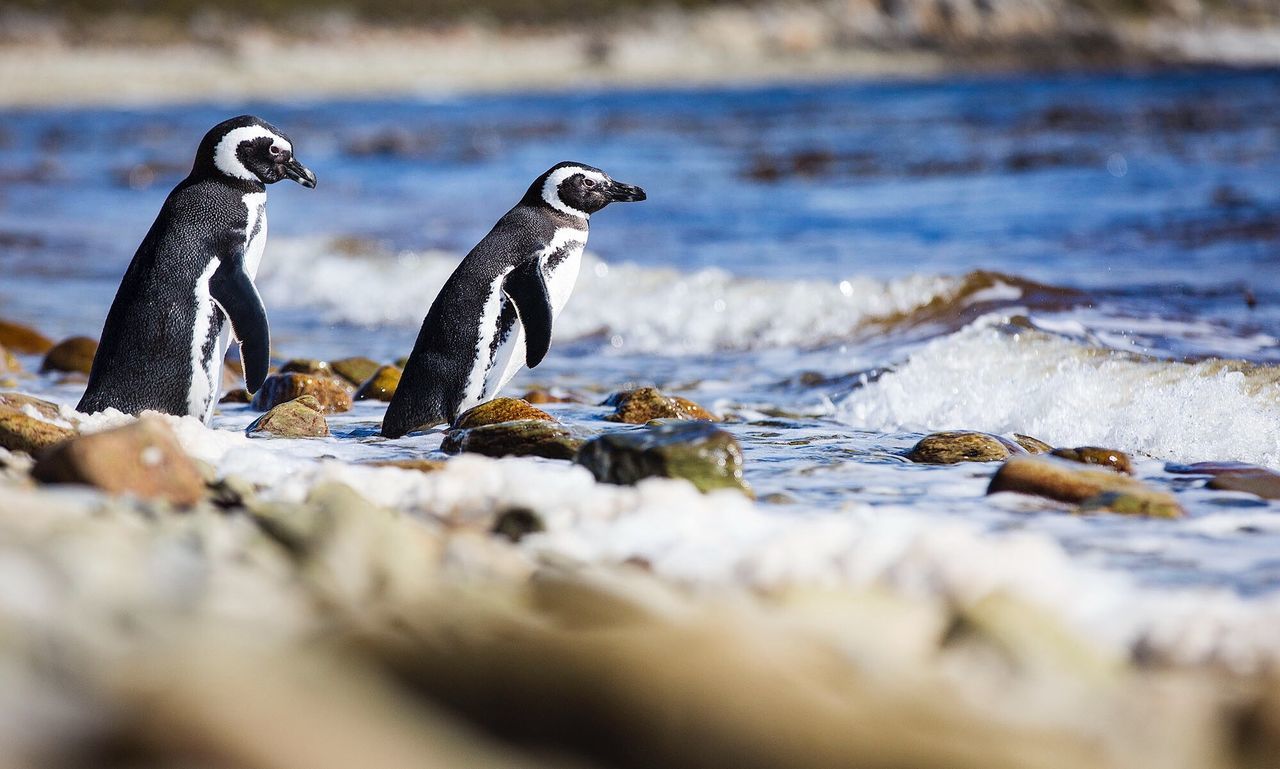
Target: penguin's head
column 250, row 149
column 580, row 190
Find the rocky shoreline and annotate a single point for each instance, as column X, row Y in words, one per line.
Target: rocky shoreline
column 161, row 608
column 117, row 59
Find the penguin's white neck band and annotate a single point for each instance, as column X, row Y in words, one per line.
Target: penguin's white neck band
column 551, row 189
column 228, row 162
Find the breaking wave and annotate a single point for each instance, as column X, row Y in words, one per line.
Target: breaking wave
column 1001, row 378
column 654, row 310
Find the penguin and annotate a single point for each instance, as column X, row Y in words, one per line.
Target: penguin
column 165, row 336
column 494, row 314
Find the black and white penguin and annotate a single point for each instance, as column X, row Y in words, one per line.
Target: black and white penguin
column 494, row 314
column 165, row 337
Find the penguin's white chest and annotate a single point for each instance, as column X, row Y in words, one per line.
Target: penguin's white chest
column 206, row 359
column 255, row 233
column 500, row 353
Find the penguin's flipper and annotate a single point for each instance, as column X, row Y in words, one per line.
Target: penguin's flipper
column 528, row 291
column 235, row 293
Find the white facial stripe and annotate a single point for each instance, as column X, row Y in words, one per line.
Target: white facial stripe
column 224, row 155
column 551, row 189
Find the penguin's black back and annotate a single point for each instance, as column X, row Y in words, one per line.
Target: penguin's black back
column 144, row 357
column 443, row 356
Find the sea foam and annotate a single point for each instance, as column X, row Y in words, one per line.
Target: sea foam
column 993, row 378
column 640, row 309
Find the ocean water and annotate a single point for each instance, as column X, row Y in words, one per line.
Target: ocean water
column 837, row 269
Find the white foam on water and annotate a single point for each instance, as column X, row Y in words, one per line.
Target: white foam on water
column 724, row 540
column 637, row 309
column 986, row 378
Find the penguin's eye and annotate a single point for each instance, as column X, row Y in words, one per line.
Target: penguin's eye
column 275, row 150
column 588, row 183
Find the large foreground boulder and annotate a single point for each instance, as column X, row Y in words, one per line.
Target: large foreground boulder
column 698, row 452
column 142, row 458
column 648, row 403
column 330, row 393
column 299, row 418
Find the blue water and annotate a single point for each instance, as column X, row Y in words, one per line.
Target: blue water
column 1155, row 196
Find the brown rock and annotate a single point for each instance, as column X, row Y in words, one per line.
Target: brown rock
column 526, row 438
column 1093, row 455
column 23, row 339
column 421, row 465
column 330, row 392
column 237, row 395
column 73, row 355
column 1068, row 481
column 22, row 432
column 354, row 370
column 951, row 447
column 645, row 404
column 497, row 411
column 543, row 395
column 381, row 386
column 9, row 363
column 142, row 458
column 21, row 402
column 301, row 417
column 1152, row 505
column 306, row 366
column 703, row 454
column 1255, row 480
column 232, row 374
column 1032, row 445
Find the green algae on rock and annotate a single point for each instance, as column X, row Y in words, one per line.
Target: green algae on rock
column 698, row 452
column 142, row 458
column 1068, row 481
column 644, row 404
column 381, row 385
column 301, row 417
column 330, row 393
column 21, row 432
column 1095, row 455
column 73, row 355
column 355, row 369
column 497, row 411
column 954, row 446
column 522, row 438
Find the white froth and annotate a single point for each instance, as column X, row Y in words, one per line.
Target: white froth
column 656, row 310
column 724, row 540
column 985, row 378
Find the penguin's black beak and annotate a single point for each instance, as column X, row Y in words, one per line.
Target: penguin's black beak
column 625, row 193
column 299, row 173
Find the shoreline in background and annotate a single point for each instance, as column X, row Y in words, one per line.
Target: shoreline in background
column 49, row 63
